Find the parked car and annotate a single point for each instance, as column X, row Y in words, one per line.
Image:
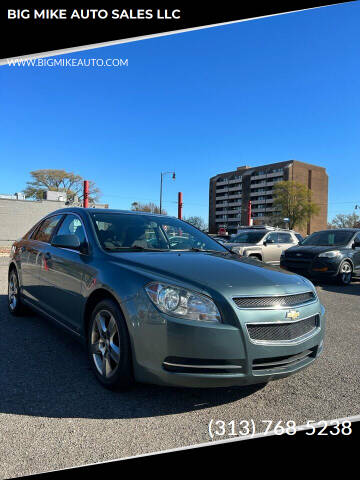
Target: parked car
column 265, row 244
column 326, row 254
column 196, row 316
column 224, row 239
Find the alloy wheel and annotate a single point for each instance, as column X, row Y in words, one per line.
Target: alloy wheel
column 345, row 272
column 105, row 344
column 13, row 291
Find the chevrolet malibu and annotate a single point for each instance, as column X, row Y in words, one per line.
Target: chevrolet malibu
column 156, row 300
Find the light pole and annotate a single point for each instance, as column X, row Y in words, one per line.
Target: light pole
column 161, row 185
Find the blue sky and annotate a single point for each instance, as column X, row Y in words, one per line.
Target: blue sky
column 199, row 103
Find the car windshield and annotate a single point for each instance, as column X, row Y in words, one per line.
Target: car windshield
column 249, row 236
column 142, row 232
column 328, row 238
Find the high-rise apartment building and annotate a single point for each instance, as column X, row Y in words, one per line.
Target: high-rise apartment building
column 230, row 193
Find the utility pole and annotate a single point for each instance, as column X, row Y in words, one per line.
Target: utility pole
column 180, row 205
column 161, row 185
column 249, row 213
column 86, row 194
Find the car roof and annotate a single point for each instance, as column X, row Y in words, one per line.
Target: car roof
column 105, row 210
column 267, row 230
column 353, row 230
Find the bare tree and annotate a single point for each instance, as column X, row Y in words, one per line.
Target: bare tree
column 343, row 220
column 58, row 181
column 198, row 222
column 147, row 207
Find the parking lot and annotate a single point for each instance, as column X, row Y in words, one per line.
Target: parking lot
column 53, row 413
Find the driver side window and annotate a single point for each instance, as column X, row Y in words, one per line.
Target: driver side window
column 72, row 226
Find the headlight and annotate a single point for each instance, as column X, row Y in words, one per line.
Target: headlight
column 331, row 254
column 182, row 303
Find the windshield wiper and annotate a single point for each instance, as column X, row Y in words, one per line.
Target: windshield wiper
column 195, row 249
column 137, row 248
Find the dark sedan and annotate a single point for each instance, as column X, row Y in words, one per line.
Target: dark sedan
column 156, row 300
column 326, row 254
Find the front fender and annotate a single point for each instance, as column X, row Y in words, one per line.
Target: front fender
column 348, row 259
column 252, row 250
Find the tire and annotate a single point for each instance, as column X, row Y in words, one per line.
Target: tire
column 345, row 273
column 109, row 350
column 15, row 305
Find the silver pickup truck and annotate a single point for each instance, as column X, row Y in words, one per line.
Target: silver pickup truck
column 265, row 244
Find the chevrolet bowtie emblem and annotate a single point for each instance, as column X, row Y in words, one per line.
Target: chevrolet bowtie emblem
column 293, row 314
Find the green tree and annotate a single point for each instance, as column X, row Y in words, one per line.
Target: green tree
column 198, row 222
column 293, row 200
column 58, row 181
column 342, row 220
column 147, row 207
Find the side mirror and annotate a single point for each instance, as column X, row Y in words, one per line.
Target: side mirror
column 356, row 244
column 66, row 241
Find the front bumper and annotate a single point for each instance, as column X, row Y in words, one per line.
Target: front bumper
column 313, row 267
column 170, row 351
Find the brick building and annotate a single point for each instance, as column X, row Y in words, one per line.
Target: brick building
column 230, row 192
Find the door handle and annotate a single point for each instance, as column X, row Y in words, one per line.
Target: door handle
column 47, row 256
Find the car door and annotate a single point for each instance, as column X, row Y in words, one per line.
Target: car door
column 286, row 241
column 61, row 280
column 31, row 257
column 271, row 248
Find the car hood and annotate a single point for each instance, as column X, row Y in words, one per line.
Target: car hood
column 224, row 273
column 308, row 251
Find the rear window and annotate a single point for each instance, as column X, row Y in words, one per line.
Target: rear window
column 31, row 232
column 47, row 228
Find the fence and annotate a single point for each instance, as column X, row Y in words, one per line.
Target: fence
column 18, row 216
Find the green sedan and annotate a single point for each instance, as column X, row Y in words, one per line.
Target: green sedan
column 156, row 300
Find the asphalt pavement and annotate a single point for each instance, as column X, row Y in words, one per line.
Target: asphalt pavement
column 54, row 414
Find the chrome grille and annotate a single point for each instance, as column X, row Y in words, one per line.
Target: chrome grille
column 275, row 332
column 299, row 255
column 274, row 301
